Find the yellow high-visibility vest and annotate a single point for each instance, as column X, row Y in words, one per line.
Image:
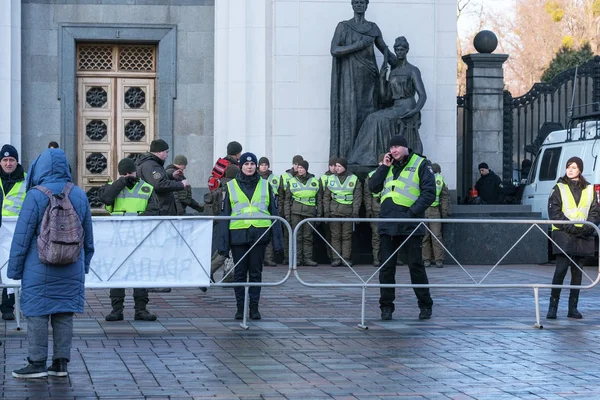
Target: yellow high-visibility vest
column 132, row 201
column 575, row 212
column 405, row 190
column 304, row 193
column 439, row 185
column 242, row 207
column 274, row 181
column 342, row 193
column 13, row 200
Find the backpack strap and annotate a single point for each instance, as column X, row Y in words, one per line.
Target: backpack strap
column 67, row 189
column 44, row 190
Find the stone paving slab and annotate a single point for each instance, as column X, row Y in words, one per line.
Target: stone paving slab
column 480, row 344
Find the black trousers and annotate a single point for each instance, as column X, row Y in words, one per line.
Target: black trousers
column 8, row 302
column 387, row 273
column 249, row 269
column 562, row 265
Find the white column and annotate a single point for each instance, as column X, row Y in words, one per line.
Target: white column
column 243, row 69
column 10, row 73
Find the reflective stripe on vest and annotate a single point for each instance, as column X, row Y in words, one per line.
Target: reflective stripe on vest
column 242, row 207
column 305, row 194
column 285, row 177
column 575, row 212
column 325, row 180
column 378, row 194
column 13, row 200
column 405, row 190
column 439, row 184
column 131, row 201
column 342, row 193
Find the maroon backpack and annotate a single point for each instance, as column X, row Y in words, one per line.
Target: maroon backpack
column 61, row 236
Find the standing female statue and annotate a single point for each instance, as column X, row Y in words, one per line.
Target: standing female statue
column 354, row 77
column 402, row 118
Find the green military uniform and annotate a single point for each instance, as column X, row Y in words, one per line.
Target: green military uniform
column 275, row 183
column 372, row 208
column 342, row 198
column 440, row 208
column 325, row 229
column 284, row 180
column 303, row 201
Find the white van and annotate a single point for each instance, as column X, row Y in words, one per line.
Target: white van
column 582, row 141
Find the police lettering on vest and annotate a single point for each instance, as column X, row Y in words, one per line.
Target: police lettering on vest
column 304, row 193
column 342, row 193
column 405, row 190
column 242, row 207
column 132, row 201
column 439, row 185
column 13, row 200
column 573, row 211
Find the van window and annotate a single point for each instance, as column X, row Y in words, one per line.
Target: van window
column 549, row 164
column 534, row 167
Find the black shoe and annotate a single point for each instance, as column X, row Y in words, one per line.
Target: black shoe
column 239, row 314
column 425, row 313
column 310, row 263
column 115, row 315
column 386, row 314
column 552, row 308
column 144, row 315
column 376, row 264
column 439, row 264
column 9, row 316
column 204, row 290
column 254, row 314
column 160, row 290
column 58, row 368
column 35, row 369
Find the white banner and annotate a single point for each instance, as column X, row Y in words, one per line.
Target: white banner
column 139, row 252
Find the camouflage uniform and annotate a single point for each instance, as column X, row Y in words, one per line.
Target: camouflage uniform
column 372, row 207
column 432, row 249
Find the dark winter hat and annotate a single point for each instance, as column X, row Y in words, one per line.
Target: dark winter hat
column 264, row 160
column 577, row 161
column 483, row 165
column 233, row 148
column 248, row 157
column 304, row 164
column 398, row 140
column 333, row 160
column 436, row 168
column 231, row 171
column 9, row 151
column 180, row 160
column 158, row 145
column 297, row 158
column 53, row 145
column 126, row 166
column 343, row 162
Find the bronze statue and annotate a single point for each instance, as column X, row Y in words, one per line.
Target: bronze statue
column 402, row 118
column 354, row 77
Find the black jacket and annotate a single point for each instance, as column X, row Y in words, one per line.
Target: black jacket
column 579, row 244
column 389, row 209
column 490, row 188
column 109, row 192
column 183, row 198
column 237, row 237
column 150, row 169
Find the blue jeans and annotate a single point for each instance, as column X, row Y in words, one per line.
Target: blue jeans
column 62, row 335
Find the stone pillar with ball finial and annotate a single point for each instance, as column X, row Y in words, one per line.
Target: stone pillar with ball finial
column 483, row 110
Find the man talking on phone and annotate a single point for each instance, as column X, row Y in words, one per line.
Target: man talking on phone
column 407, row 185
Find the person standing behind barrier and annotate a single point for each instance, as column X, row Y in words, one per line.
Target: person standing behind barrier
column 129, row 195
column 49, row 292
column 285, row 177
column 572, row 199
column 324, row 227
column 440, row 208
column 12, row 183
column 183, row 198
column 342, row 199
column 407, row 186
column 372, row 207
column 248, row 195
column 489, row 185
column 302, row 201
column 275, row 182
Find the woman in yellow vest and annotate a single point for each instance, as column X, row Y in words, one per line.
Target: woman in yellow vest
column 342, row 199
column 574, row 199
column 301, row 202
column 251, row 196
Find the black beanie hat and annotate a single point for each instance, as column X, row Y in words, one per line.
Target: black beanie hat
column 9, row 151
column 126, row 166
column 577, row 161
column 483, row 165
column 398, row 140
column 233, row 148
column 264, row 160
column 297, row 158
column 343, row 162
column 158, row 145
column 248, row 157
column 304, row 164
column 333, row 160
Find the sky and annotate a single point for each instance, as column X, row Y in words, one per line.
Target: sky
column 470, row 17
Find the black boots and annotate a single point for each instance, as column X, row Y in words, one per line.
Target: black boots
column 239, row 314
column 573, row 312
column 254, row 314
column 552, row 308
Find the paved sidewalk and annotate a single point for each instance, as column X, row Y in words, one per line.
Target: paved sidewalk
column 480, row 344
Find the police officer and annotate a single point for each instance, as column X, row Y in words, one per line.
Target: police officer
column 440, row 208
column 324, row 228
column 13, row 185
column 263, row 170
column 129, row 195
column 285, row 177
column 372, row 207
column 342, row 199
column 407, row 186
column 302, row 201
column 248, row 195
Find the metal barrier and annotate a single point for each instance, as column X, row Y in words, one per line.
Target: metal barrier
column 364, row 284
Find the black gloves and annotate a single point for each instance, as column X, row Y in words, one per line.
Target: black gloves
column 587, row 230
column 130, row 181
column 572, row 229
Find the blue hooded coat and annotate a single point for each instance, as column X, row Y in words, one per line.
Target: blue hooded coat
column 46, row 288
